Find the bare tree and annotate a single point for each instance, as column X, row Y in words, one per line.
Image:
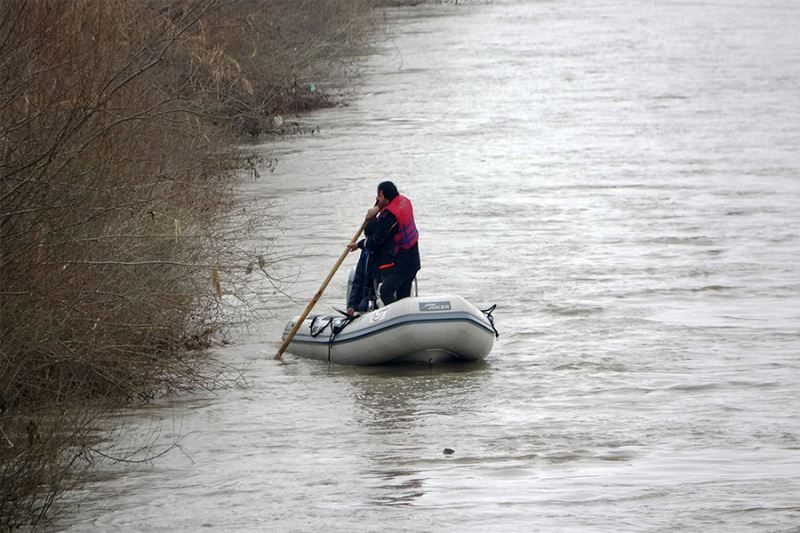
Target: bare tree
column 120, row 227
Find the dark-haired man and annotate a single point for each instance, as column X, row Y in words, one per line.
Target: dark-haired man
column 393, row 244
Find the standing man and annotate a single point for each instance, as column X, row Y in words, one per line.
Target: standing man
column 393, row 243
column 362, row 291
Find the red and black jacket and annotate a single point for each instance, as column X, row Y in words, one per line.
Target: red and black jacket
column 394, row 235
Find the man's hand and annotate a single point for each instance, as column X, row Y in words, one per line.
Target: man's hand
column 372, row 212
column 353, row 246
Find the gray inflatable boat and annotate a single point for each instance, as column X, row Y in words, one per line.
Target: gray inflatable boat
column 433, row 329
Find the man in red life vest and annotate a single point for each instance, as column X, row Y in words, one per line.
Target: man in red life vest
column 392, row 244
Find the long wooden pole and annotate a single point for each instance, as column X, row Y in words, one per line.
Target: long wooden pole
column 318, row 295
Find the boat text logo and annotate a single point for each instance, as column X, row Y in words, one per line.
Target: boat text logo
column 434, row 306
column 378, row 315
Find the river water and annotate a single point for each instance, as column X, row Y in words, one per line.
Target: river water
column 622, row 179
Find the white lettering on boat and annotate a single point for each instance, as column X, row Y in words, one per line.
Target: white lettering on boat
column 434, row 306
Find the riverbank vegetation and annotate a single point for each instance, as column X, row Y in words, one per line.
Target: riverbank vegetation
column 121, row 232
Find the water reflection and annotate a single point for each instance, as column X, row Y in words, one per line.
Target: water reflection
column 400, row 487
column 403, row 398
column 397, row 407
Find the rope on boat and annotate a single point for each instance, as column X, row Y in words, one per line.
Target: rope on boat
column 488, row 312
column 335, row 330
column 320, row 330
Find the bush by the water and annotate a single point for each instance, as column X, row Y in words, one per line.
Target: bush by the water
column 120, row 229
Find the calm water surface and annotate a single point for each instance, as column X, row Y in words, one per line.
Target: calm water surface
column 623, row 179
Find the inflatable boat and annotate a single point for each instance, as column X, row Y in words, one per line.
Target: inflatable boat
column 433, row 329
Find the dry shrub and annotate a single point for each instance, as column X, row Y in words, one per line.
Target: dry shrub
column 311, row 46
column 45, row 455
column 120, row 227
column 110, row 189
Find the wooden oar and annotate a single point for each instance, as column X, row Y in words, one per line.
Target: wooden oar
column 317, row 296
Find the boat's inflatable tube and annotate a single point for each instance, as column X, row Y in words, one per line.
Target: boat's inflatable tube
column 433, row 329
